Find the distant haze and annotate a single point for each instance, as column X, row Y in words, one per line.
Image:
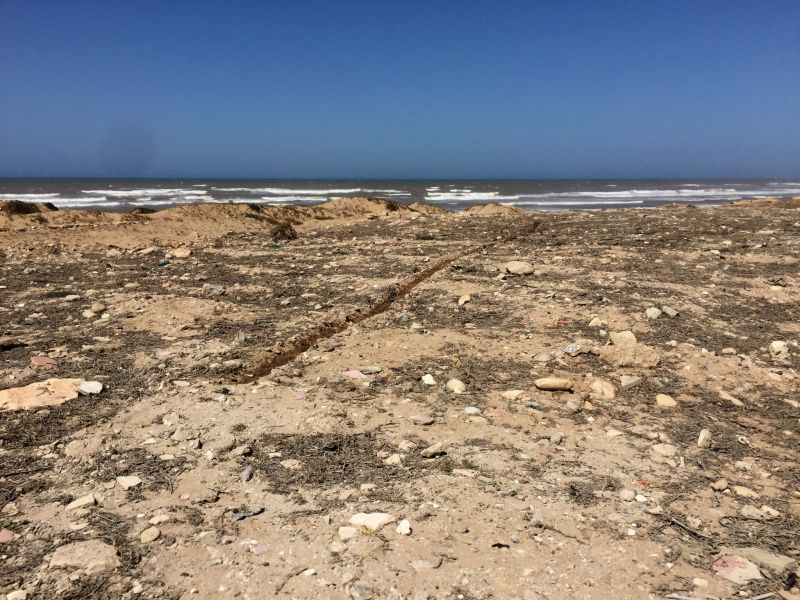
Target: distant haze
column 442, row 89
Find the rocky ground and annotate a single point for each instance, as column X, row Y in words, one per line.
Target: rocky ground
column 385, row 402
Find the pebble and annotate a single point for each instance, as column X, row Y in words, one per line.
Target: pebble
column 602, row 389
column 745, row 492
column 728, row 352
column 422, row 419
column 371, row 521
column 17, row 595
column 82, row 502
column 393, row 460
column 652, row 313
column 159, row 519
column 552, row 384
column 704, row 439
column 665, row 450
column 627, row 495
column 556, row 438
column 517, row 267
column 629, row 381
column 6, row 535
column 347, row 533
column 428, row 379
column 151, row 534
column 665, row 401
column 544, row 357
column 456, row 386
column 512, row 394
column 406, row 446
column 127, row 482
column 779, row 349
column 246, row 474
column 596, row 322
column 464, row 299
column 436, row 449
column 361, row 592
column 97, row 307
column 472, row 411
column 720, row 485
column 370, row 369
column 90, row 387
column 748, row 511
column 404, row 527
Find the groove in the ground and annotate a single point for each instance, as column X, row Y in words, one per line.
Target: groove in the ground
column 296, row 345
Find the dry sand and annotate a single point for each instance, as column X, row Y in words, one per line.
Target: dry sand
column 355, row 401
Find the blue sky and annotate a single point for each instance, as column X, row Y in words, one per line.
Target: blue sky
column 340, row 89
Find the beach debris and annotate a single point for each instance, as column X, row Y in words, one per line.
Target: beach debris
column 50, row 392
column 241, row 516
column 554, row 384
column 163, row 262
column 572, row 349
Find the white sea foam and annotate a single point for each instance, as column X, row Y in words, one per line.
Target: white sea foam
column 288, row 191
column 145, row 192
column 468, row 196
column 25, row 197
column 574, row 202
column 387, row 192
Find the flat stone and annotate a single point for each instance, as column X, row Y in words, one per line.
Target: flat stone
column 552, row 384
column 748, row 511
column 92, row 556
column 97, row 307
column 602, row 389
column 127, row 482
column 180, row 253
column 627, row 495
column 151, row 534
column 513, row 394
column 629, row 381
column 436, row 449
column 777, row 563
column 90, row 387
column 665, row 401
column 456, row 386
column 82, row 502
column 6, row 535
column 43, row 362
column 720, row 485
column 50, row 392
column 370, row 369
column 160, row 519
column 736, row 569
column 472, row 411
column 393, row 460
column 422, row 419
column 517, row 267
column 666, row 450
column 428, row 379
column 361, row 592
column 745, row 492
column 596, row 322
column 347, row 533
column 669, row 311
column 779, row 349
column 371, row 521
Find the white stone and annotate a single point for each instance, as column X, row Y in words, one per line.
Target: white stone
column 428, row 379
column 456, row 386
column 472, row 411
column 371, row 521
column 82, row 502
column 652, row 313
column 90, row 387
column 704, row 439
column 665, row 401
column 404, row 527
column 127, row 482
column 92, row 556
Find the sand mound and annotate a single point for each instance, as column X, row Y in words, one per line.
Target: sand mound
column 492, row 209
column 428, row 209
column 18, row 207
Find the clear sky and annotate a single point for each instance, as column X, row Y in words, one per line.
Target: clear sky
column 435, row 88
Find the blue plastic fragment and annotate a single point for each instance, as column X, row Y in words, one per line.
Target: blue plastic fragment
column 243, row 515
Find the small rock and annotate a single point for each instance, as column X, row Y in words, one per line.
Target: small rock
column 422, row 419
column 736, row 569
column 97, row 307
column 554, row 384
column 704, row 439
column 779, row 564
column 629, row 381
column 652, row 313
column 512, row 394
column 728, row 352
column 361, row 592
column 464, row 299
column 127, row 482
column 151, row 534
column 543, row 357
column 745, row 492
column 92, row 556
column 428, row 379
column 6, row 535
column 347, row 533
column 779, row 349
column 82, row 502
column 370, row 369
column 665, row 401
column 720, row 485
column 748, row 511
column 243, row 450
column 436, row 449
column 556, row 438
column 404, row 527
column 517, row 267
column 406, row 446
column 17, row 595
column 666, row 450
column 472, row 411
column 627, row 495
column 43, row 362
column 602, row 389
column 371, row 521
column 90, row 387
column 246, row 474
column 180, row 253
column 160, row 519
column 456, row 386
column 596, row 322
column 669, row 311
column 393, row 460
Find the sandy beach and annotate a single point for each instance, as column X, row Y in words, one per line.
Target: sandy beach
column 364, row 399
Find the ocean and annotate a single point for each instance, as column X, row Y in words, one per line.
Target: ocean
column 127, row 194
